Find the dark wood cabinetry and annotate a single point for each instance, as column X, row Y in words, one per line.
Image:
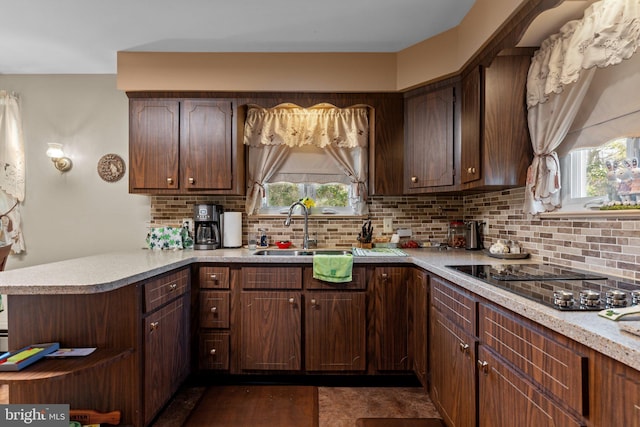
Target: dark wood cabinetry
column 166, row 359
column 418, row 320
column 336, row 323
column 271, row 330
column 273, row 307
column 506, row 398
column 214, row 316
column 495, row 145
column 429, row 141
column 453, row 354
column 271, row 319
column 183, row 146
column 391, row 318
column 335, row 331
column 141, row 332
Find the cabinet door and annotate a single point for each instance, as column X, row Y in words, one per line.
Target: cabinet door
column 471, row 126
column 335, row 331
column 506, row 146
column 452, row 363
column 153, row 144
column 429, row 145
column 166, row 354
column 205, row 144
column 507, row 399
column 419, row 301
column 271, row 331
column 391, row 318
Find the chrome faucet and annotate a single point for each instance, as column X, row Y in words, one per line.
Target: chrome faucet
column 287, row 222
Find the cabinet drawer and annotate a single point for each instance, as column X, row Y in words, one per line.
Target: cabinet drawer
column 214, row 309
column 508, row 399
column 359, row 280
column 454, row 304
column 214, row 350
column 214, row 277
column 162, row 290
column 554, row 366
column 272, row 277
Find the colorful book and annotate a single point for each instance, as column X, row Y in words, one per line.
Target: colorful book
column 17, row 360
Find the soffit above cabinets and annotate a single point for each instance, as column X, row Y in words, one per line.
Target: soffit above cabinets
column 550, row 21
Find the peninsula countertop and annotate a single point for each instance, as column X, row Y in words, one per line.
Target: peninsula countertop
column 106, row 272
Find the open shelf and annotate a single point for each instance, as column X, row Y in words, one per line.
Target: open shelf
column 58, row 368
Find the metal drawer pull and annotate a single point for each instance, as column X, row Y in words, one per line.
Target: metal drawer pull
column 214, row 309
column 464, row 347
column 170, row 181
column 191, row 180
column 314, row 302
column 471, row 170
column 214, row 277
column 154, row 326
column 291, row 300
column 173, row 287
column 483, row 366
column 212, row 352
column 414, row 179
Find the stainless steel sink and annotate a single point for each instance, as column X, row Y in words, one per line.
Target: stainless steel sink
column 311, row 252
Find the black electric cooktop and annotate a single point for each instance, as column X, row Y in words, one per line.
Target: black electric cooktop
column 559, row 287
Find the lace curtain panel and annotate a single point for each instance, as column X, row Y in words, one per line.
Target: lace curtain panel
column 559, row 78
column 271, row 134
column 12, row 175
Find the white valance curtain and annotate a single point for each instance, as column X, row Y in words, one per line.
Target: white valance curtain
column 272, row 133
column 559, row 77
column 12, row 174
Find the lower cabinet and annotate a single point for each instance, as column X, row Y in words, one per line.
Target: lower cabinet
column 419, row 301
column 332, row 319
column 506, row 398
column 391, row 318
column 214, row 318
column 271, row 336
column 335, row 331
column 166, row 363
column 453, row 381
column 452, row 353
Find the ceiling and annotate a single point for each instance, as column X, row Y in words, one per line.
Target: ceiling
column 84, row 36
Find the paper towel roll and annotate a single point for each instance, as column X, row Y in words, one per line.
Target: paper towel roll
column 232, row 234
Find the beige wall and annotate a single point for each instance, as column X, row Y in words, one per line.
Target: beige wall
column 75, row 214
column 433, row 58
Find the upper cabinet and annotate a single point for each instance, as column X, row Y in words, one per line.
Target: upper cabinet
column 495, row 145
column 184, row 146
column 429, row 141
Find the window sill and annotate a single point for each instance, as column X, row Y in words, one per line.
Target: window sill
column 311, row 216
column 568, row 213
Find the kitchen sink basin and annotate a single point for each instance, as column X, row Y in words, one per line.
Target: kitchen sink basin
column 310, row 252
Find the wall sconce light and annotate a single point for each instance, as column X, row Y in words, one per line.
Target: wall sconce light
column 58, row 158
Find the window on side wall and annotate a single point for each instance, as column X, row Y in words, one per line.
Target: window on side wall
column 602, row 178
column 310, row 172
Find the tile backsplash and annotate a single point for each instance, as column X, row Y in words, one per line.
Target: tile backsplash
column 608, row 245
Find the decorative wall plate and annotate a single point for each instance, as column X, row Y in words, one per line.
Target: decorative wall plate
column 111, row 167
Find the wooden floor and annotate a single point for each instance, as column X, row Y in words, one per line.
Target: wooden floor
column 256, row 405
column 336, row 406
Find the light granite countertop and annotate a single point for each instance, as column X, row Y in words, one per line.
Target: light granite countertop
column 105, row 272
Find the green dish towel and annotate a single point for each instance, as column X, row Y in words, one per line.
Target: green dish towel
column 333, row 268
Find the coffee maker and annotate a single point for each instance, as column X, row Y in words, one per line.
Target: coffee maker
column 207, row 226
